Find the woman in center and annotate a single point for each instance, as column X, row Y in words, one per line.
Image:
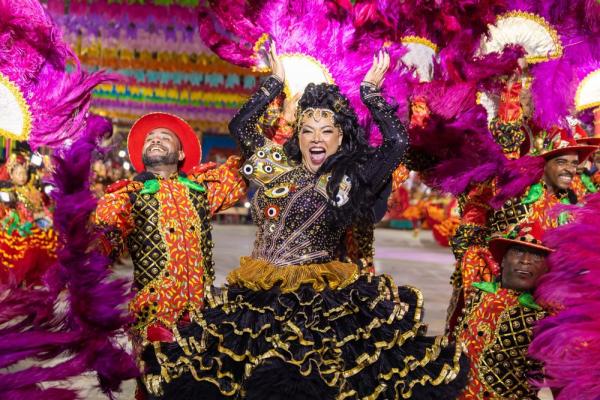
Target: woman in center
column 294, row 322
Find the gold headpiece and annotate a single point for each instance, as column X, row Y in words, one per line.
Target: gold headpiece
column 317, row 113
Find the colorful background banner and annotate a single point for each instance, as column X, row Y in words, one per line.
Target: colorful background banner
column 154, row 49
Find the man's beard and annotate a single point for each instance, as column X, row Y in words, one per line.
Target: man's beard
column 165, row 159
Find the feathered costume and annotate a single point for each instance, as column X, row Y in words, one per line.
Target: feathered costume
column 295, row 322
column 77, row 313
column 44, row 103
column 568, row 342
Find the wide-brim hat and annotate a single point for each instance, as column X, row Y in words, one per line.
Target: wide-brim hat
column 528, row 235
column 590, row 141
column 583, row 152
column 582, row 137
column 559, row 142
column 185, row 133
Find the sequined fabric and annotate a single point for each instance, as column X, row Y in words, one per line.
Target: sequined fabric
column 291, row 208
column 166, row 228
column 496, row 330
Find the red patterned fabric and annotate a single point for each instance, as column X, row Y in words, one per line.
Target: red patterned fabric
column 510, row 109
column 180, row 285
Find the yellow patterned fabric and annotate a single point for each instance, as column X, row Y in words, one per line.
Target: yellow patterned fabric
column 257, row 274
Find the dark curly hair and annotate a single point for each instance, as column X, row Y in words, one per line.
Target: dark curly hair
column 350, row 156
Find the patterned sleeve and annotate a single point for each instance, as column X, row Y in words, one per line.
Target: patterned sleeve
column 473, row 229
column 243, row 127
column 114, row 219
column 224, row 184
column 387, row 157
column 509, row 127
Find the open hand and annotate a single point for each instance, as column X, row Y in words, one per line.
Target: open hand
column 275, row 62
column 381, row 63
column 289, row 108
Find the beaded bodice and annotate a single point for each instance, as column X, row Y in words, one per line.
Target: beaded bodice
column 292, row 209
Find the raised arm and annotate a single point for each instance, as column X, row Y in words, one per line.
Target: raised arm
column 395, row 137
column 243, row 126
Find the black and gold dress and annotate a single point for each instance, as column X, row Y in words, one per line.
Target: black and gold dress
column 294, row 322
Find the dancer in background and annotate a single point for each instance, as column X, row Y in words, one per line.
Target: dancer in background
column 28, row 241
column 499, row 320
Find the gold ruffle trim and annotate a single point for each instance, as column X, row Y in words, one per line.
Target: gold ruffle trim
column 332, row 371
column 258, row 275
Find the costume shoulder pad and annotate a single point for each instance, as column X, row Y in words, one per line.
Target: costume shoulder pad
column 124, row 186
column 202, row 168
column 266, row 164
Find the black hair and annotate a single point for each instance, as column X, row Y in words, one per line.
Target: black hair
column 350, row 156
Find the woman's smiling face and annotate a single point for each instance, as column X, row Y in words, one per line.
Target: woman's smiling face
column 318, row 138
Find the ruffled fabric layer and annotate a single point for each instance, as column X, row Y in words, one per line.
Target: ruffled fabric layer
column 364, row 340
column 24, row 259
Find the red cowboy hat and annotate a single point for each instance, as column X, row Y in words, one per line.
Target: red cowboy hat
column 528, row 235
column 582, row 137
column 560, row 142
column 140, row 129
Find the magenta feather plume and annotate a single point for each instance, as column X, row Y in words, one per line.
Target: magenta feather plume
column 568, row 342
column 438, row 21
column 93, row 303
column 515, row 177
column 34, row 57
column 305, row 27
column 555, row 82
column 458, row 135
column 465, row 150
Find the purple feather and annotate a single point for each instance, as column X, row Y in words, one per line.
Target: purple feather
column 516, row 176
column 34, row 57
column 568, row 342
column 94, row 302
column 302, row 27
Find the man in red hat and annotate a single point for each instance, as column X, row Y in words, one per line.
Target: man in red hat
column 496, row 328
column 588, row 180
column 562, row 155
column 163, row 217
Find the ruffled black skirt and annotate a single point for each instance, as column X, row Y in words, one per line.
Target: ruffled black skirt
column 363, row 341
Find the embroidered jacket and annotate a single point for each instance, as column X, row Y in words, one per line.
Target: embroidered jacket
column 496, row 331
column 480, row 221
column 166, row 226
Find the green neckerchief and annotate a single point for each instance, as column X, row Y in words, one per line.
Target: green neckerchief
column 563, row 217
column 535, row 192
column 152, row 186
column 15, row 225
column 525, row 298
column 588, row 183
